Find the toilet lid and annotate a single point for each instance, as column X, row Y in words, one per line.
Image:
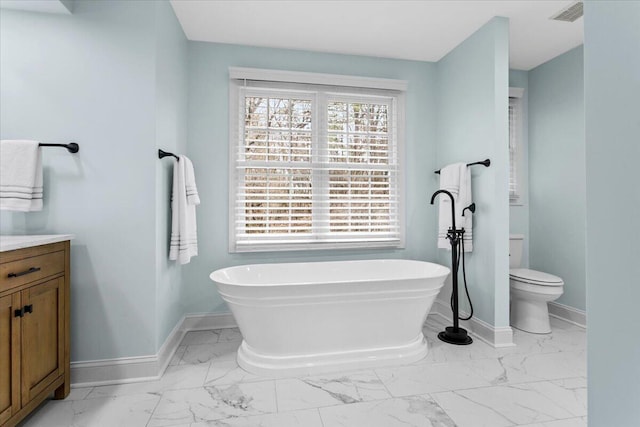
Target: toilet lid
column 535, row 277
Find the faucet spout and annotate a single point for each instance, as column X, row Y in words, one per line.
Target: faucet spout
column 453, row 208
column 433, row 196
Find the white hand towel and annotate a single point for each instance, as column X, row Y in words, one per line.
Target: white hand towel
column 456, row 179
column 184, row 199
column 20, row 176
column 190, row 184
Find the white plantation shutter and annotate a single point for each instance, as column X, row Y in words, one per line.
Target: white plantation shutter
column 514, row 134
column 314, row 166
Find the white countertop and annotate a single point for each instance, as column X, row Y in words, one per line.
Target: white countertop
column 10, row 243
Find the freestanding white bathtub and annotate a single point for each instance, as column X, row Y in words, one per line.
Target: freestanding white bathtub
column 316, row 317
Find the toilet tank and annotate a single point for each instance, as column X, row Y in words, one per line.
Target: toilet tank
column 515, row 250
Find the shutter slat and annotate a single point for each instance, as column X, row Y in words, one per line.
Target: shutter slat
column 514, row 129
column 299, row 180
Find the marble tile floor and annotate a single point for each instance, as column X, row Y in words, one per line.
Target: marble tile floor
column 541, row 382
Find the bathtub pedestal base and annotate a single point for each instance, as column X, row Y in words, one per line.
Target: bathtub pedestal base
column 288, row 366
column 451, row 336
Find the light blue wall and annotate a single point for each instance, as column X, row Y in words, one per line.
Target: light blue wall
column 171, row 135
column 612, row 90
column 519, row 211
column 122, row 81
column 472, row 100
column 209, row 141
column 557, row 177
column 91, row 77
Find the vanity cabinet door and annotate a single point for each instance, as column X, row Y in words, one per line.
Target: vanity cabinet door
column 42, row 337
column 9, row 356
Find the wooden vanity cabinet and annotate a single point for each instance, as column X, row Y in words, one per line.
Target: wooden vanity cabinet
column 34, row 328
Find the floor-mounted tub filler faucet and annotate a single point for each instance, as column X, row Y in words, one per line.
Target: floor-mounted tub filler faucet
column 454, row 334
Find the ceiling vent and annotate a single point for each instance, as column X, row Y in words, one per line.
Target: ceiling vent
column 570, row 13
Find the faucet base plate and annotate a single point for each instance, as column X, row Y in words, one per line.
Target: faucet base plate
column 452, row 336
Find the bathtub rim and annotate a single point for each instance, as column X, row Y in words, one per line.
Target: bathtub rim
column 214, row 276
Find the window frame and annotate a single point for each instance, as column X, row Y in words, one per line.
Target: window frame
column 518, row 94
column 323, row 86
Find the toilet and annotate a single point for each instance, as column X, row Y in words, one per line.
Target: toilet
column 530, row 291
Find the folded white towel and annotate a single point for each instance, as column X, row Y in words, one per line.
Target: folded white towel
column 20, row 176
column 184, row 199
column 456, row 179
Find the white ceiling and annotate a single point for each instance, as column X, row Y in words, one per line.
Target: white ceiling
column 418, row 30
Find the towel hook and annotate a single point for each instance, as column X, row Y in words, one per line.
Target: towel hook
column 162, row 154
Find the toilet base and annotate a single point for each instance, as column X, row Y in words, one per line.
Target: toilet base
column 530, row 316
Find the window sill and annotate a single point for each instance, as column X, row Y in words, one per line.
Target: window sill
column 308, row 246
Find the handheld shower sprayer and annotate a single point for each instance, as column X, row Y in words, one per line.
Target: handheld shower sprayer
column 471, row 207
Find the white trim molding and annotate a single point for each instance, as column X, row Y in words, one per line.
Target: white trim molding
column 568, row 314
column 495, row 336
column 516, row 92
column 206, row 321
column 258, row 74
column 319, row 91
column 115, row 371
column 124, row 370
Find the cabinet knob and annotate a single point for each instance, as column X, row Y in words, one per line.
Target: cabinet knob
column 28, row 308
column 18, row 313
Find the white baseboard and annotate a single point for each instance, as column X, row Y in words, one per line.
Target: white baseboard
column 149, row 368
column 568, row 314
column 145, row 368
column 114, row 371
column 202, row 322
column 501, row 336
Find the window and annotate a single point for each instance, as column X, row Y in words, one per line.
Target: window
column 313, row 165
column 515, row 137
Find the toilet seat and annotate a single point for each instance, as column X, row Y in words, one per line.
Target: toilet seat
column 534, row 277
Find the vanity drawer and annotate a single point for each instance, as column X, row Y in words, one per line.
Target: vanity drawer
column 21, row 271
